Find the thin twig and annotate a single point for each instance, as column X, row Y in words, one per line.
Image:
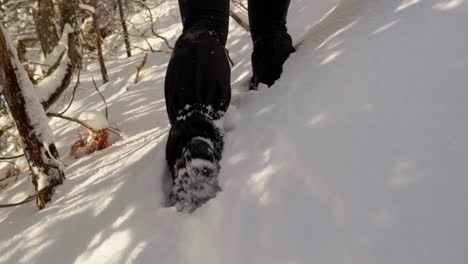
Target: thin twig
column 27, row 199
column 16, row 167
column 75, row 87
column 239, row 21
column 152, row 31
column 240, row 5
column 10, row 158
column 152, row 50
column 73, row 120
column 102, row 96
column 142, row 34
column 37, row 63
column 73, row 93
column 8, row 162
column 152, row 24
column 139, row 68
column 149, row 45
column 3, row 130
column 111, row 129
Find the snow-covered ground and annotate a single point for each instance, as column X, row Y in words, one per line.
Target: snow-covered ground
column 357, row 155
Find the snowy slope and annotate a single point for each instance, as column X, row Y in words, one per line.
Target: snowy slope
column 357, row 155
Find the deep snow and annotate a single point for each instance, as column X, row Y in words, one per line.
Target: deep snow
column 357, row 155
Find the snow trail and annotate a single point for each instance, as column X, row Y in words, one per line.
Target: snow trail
column 357, row 155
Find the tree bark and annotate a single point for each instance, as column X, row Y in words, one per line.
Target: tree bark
column 43, row 12
column 124, row 28
column 68, row 13
column 27, row 113
column 97, row 32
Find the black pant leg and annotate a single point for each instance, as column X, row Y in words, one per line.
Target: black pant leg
column 272, row 43
column 197, row 84
column 267, row 16
column 213, row 14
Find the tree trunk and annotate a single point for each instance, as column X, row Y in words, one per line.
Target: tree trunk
column 68, row 13
column 125, row 31
column 43, row 12
column 31, row 122
column 97, row 32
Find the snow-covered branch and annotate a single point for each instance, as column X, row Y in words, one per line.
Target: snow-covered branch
column 48, row 86
column 61, row 47
column 60, row 71
column 88, row 8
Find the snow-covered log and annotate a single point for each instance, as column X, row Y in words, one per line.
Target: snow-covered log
column 59, row 70
column 56, row 53
column 31, row 121
column 63, row 60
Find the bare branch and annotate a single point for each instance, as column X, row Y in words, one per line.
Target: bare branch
column 3, row 130
column 102, row 96
column 152, row 25
column 139, row 68
column 16, row 168
column 73, row 120
column 30, row 198
column 236, row 18
column 37, row 63
column 10, row 158
column 240, row 5
column 27, row 200
column 73, row 93
column 239, row 21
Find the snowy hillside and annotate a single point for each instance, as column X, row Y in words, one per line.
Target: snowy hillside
column 357, row 155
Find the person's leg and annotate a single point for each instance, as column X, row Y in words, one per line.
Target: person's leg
column 198, row 92
column 272, row 43
column 212, row 14
column 267, row 16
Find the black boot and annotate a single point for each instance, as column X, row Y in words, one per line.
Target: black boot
column 193, row 152
column 195, row 175
column 269, row 54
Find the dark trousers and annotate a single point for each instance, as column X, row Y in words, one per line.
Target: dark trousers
column 265, row 16
column 197, row 85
